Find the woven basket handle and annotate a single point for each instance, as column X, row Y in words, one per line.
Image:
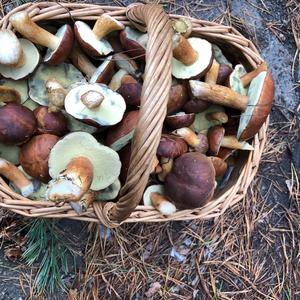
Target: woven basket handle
column 154, row 99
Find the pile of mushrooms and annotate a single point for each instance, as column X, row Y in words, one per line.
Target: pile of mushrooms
column 69, row 106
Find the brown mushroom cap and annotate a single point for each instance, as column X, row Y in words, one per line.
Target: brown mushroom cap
column 195, row 106
column 180, row 120
column 130, row 90
column 224, row 72
column 34, row 156
column 219, row 164
column 104, row 72
column 17, row 124
column 121, row 134
column 191, row 182
column 171, row 146
column 178, row 97
column 52, row 123
column 261, row 96
column 215, row 136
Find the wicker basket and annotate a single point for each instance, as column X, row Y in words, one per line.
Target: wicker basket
column 157, row 83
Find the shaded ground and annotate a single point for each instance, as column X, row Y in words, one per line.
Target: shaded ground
column 252, row 251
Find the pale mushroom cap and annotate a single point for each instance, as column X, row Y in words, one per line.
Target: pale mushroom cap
column 11, row 49
column 65, row 74
column 110, row 193
column 21, row 86
column 76, row 125
column 10, row 153
column 156, row 188
column 102, row 47
column 109, row 112
column 204, row 50
column 31, row 59
column 235, row 82
column 106, row 161
column 219, row 56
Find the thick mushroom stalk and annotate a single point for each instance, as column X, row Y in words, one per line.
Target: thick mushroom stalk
column 183, row 26
column 212, row 74
column 73, row 182
column 105, row 25
column 24, row 25
column 92, row 99
column 84, row 203
column 161, row 204
column 166, row 165
column 15, row 175
column 248, row 77
column 56, row 95
column 219, row 116
column 183, row 51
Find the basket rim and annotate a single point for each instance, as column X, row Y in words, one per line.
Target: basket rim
column 31, row 208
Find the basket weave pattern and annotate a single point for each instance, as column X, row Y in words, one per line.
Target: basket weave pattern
column 156, row 86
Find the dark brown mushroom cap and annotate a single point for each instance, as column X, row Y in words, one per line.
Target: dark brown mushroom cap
column 203, row 145
column 130, row 90
column 34, row 156
column 171, row 146
column 262, row 108
column 178, row 97
column 224, row 153
column 65, row 33
column 180, row 120
column 17, row 124
column 52, row 123
column 104, row 72
column 223, row 75
column 215, row 136
column 219, row 164
column 191, row 182
column 195, row 106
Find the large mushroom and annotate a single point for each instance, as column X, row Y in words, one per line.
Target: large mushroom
column 92, row 40
column 59, row 45
column 34, row 156
column 95, row 102
column 177, row 99
column 191, row 57
column 255, row 106
column 78, row 163
column 191, row 182
column 29, row 56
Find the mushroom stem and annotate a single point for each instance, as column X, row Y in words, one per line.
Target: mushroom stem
column 116, row 80
column 84, row 203
column 30, row 30
column 81, row 61
column 166, row 166
column 211, row 76
column 105, row 25
column 92, row 99
column 247, row 78
column 15, row 175
column 155, row 164
column 160, row 203
column 219, row 116
column 8, row 95
column 183, row 51
column 232, row 142
column 73, row 182
column 218, row 94
column 56, row 95
column 183, row 26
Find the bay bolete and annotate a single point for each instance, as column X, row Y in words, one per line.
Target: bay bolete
column 34, row 156
column 191, row 182
column 130, row 89
column 219, row 164
column 177, row 98
column 121, row 134
column 59, row 45
column 256, row 106
column 92, row 40
column 154, row 196
column 78, row 163
column 95, row 102
column 181, row 119
column 191, row 57
column 16, row 177
column 171, row 146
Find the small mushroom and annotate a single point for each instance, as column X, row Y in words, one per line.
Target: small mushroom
column 183, row 26
column 216, row 139
column 28, row 62
column 180, row 120
column 16, row 177
column 255, row 107
column 63, row 76
column 124, row 62
column 130, row 90
column 10, row 153
column 234, row 80
column 95, row 102
column 171, row 146
column 21, row 86
column 56, row 95
column 78, row 163
column 121, row 134
column 50, row 122
column 154, row 196
column 130, row 40
column 102, row 74
column 59, row 45
column 177, row 99
column 198, row 141
column 219, row 164
column 191, row 57
column 92, row 41
column 109, row 193
column 34, row 156
column 191, row 182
